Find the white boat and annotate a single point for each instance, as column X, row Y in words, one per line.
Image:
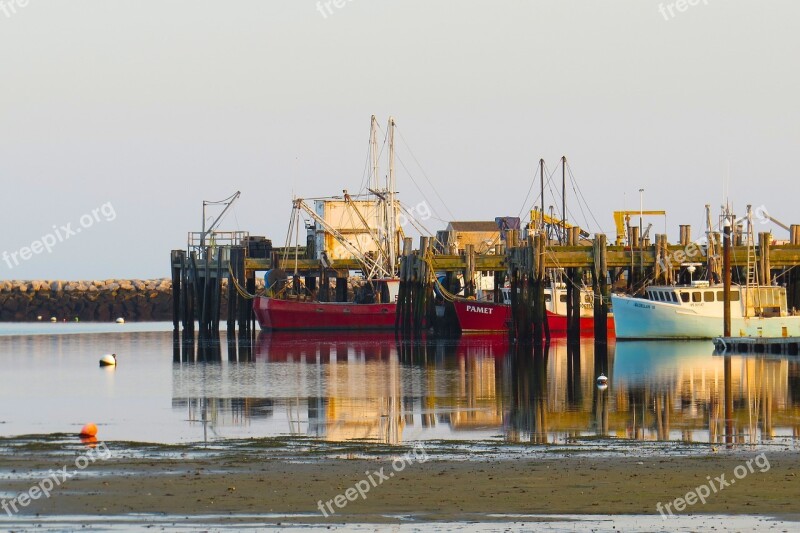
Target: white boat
column 696, row 312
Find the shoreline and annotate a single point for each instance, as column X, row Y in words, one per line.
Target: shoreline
column 283, row 481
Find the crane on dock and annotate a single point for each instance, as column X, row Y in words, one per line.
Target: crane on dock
column 623, row 218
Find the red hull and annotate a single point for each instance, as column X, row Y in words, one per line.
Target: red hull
column 482, row 317
column 275, row 314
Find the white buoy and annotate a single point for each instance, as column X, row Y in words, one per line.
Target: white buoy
column 53, row 319
column 120, row 320
column 602, row 382
column 109, row 359
column 39, row 317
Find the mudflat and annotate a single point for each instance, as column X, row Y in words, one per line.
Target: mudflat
column 308, row 482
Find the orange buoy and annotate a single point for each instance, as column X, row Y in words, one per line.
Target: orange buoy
column 89, row 430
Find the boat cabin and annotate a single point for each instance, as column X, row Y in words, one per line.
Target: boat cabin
column 755, row 301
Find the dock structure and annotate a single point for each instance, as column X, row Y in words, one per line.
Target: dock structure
column 757, row 345
column 197, row 275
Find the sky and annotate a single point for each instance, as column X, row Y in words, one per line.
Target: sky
column 118, row 118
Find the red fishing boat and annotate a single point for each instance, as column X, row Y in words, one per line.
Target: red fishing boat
column 278, row 314
column 364, row 228
column 483, row 317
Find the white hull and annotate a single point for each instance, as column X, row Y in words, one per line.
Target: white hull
column 637, row 318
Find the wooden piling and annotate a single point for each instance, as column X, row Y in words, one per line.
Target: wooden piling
column 403, row 315
column 574, row 277
column 726, row 279
column 685, row 235
column 232, row 301
column 469, row 272
column 764, row 270
column 217, row 303
column 600, row 289
column 175, row 262
column 793, row 273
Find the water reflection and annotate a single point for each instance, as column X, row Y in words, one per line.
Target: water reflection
column 373, row 386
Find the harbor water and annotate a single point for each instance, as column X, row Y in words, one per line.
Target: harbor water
column 374, row 388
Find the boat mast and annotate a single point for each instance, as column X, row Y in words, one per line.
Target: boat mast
column 563, row 239
column 541, row 213
column 373, row 145
column 392, row 207
column 711, row 255
column 382, row 214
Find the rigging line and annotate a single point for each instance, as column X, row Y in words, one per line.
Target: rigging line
column 553, row 194
column 420, row 189
column 423, row 172
column 236, row 218
column 580, row 207
column 416, row 223
column 367, row 172
column 288, row 240
column 528, row 195
column 580, row 192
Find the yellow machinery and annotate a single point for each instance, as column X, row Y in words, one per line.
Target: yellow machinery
column 623, row 218
column 537, row 216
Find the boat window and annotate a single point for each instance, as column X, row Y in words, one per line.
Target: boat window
column 660, row 296
column 696, row 296
column 734, row 296
column 548, row 297
column 708, row 296
column 685, row 296
column 674, row 297
column 587, row 298
column 562, row 298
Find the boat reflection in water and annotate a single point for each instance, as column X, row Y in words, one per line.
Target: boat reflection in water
column 372, row 386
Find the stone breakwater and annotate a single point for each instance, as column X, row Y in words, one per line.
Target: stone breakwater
column 100, row 301
column 25, row 301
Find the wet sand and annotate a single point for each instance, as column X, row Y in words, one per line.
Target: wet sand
column 284, row 480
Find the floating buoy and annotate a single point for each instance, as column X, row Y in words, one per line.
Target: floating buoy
column 109, row 359
column 89, row 430
column 120, row 320
column 602, row 382
column 39, row 317
column 53, row 319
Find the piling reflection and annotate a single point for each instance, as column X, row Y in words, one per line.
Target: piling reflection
column 375, row 387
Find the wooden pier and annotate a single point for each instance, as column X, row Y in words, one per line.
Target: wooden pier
column 197, row 276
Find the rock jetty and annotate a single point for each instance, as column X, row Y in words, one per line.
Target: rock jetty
column 86, row 300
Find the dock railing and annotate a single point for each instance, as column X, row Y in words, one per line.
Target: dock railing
column 215, row 242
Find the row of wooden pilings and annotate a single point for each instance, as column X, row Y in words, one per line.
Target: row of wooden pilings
column 525, row 270
column 197, row 296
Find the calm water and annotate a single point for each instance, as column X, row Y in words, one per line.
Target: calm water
column 341, row 387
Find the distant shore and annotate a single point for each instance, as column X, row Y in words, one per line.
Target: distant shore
column 92, row 300
column 264, row 476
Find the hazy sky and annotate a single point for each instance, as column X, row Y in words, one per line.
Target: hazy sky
column 150, row 107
